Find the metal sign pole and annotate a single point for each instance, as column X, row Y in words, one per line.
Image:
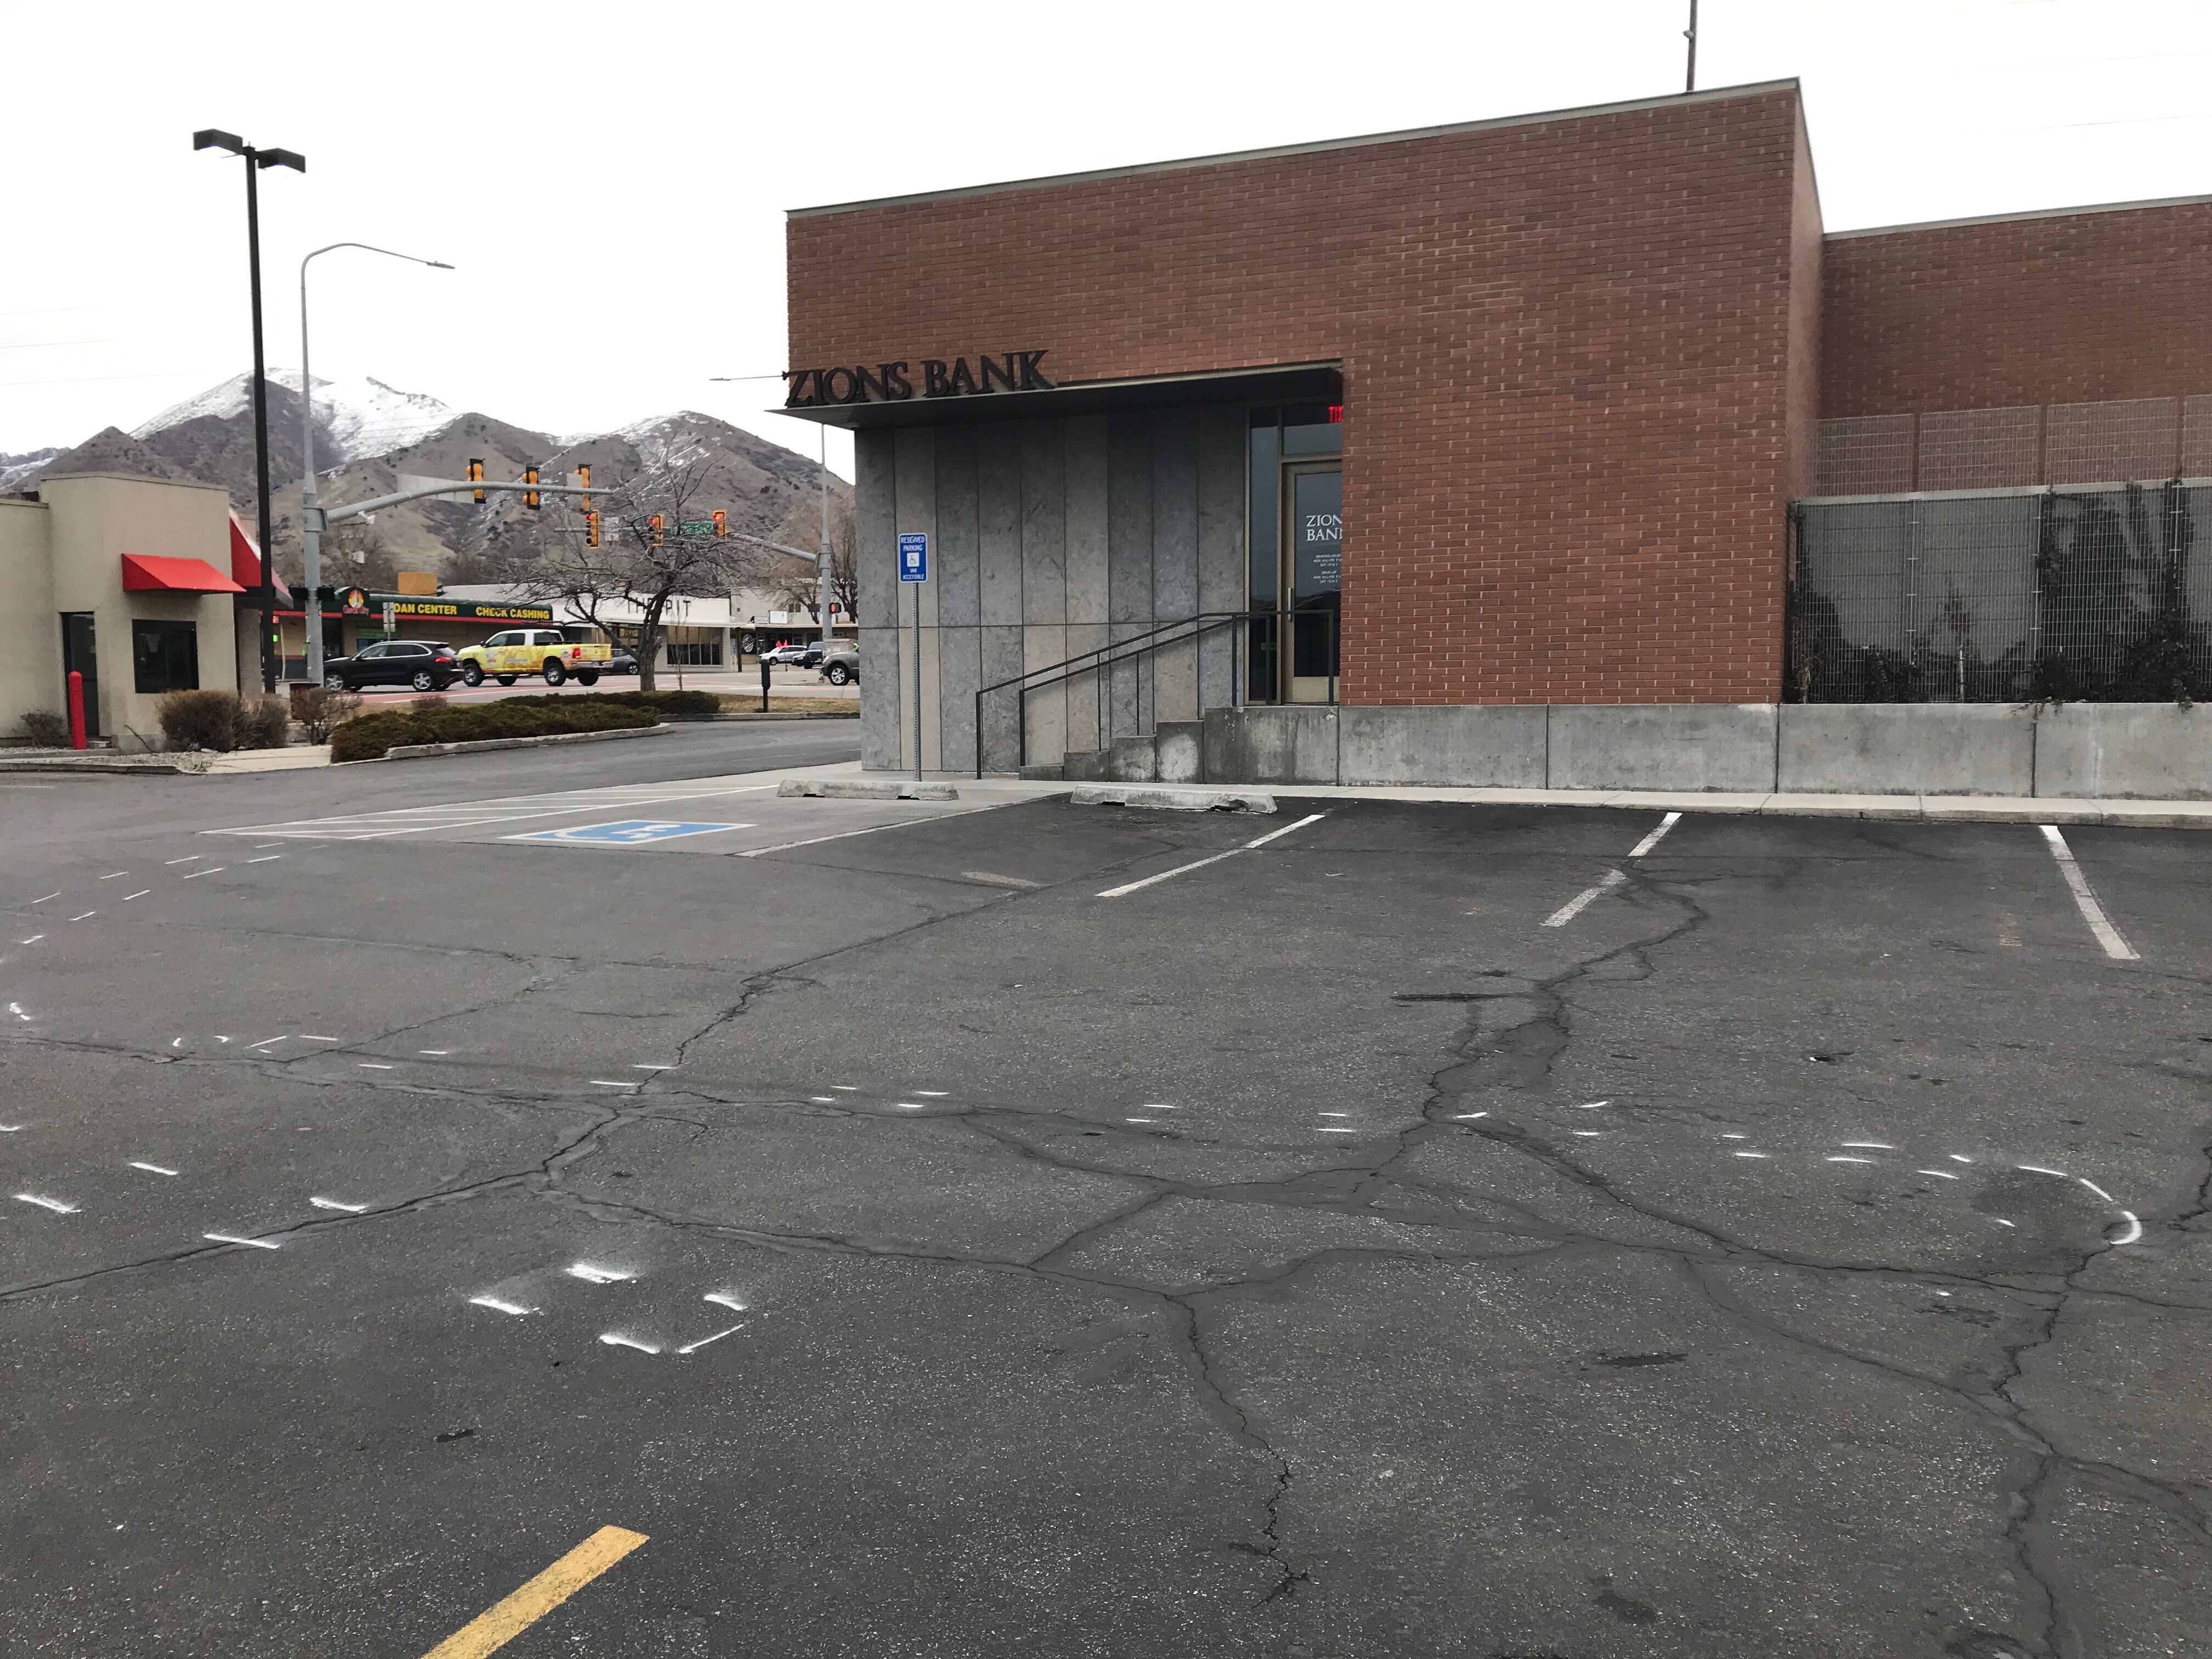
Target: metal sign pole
column 913, row 571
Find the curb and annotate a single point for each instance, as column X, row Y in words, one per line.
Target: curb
column 111, row 767
column 859, row 789
column 1174, row 801
column 426, row 751
column 784, row 714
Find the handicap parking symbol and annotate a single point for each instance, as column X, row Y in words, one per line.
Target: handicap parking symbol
column 629, row 832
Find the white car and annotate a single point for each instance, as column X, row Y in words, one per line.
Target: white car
column 798, row 656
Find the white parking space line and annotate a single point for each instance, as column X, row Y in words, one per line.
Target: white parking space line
column 1575, row 906
column 465, row 815
column 1185, row 869
column 847, row 835
column 2092, row 912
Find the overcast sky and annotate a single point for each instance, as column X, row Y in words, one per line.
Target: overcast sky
column 611, row 180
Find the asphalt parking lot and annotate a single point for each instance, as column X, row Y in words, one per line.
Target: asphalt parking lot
column 1477, row 1231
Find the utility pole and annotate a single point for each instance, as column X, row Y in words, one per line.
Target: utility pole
column 209, row 138
column 311, row 512
column 824, row 572
column 1691, row 35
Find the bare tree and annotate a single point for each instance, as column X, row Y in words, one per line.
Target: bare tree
column 637, row 568
column 798, row 587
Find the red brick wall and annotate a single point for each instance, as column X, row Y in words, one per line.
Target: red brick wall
column 1570, row 434
column 2070, row 308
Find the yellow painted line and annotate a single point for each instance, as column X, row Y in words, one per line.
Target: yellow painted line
column 496, row 1626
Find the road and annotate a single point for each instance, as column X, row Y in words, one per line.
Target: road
column 1048, row 1229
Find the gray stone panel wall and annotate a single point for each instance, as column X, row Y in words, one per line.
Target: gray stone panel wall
column 1044, row 580
column 1128, row 564
column 875, row 468
column 880, row 699
column 1087, row 496
column 1222, row 473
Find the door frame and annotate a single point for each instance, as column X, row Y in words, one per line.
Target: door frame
column 1292, row 687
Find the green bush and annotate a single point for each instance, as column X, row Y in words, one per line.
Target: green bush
column 669, row 705
column 263, row 723
column 372, row 735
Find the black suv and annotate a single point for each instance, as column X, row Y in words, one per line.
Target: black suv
column 426, row 664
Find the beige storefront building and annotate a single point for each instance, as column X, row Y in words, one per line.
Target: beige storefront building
column 135, row 583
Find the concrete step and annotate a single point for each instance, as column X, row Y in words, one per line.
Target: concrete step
column 1083, row 766
column 1133, row 760
column 1045, row 772
column 1179, row 751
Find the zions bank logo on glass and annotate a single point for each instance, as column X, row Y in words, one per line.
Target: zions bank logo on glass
column 914, row 558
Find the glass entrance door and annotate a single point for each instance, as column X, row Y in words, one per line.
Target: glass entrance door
column 1313, row 576
column 79, row 656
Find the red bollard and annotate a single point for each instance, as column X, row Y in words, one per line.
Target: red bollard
column 76, row 708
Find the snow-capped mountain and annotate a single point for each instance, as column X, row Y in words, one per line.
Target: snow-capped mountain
column 358, row 419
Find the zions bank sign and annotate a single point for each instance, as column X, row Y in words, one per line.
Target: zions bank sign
column 891, row 383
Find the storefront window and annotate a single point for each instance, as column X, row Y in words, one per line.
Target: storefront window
column 165, row 656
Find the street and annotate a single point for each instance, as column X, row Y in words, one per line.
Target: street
column 1003, row 1227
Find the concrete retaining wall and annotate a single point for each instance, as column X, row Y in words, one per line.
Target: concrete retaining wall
column 2145, row 751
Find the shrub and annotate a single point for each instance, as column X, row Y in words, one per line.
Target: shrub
column 263, row 723
column 201, row 720
column 669, row 705
column 372, row 735
column 45, row 729
column 321, row 710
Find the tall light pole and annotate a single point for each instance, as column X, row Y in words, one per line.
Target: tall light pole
column 1690, row 84
column 822, row 560
column 311, row 519
column 209, row 138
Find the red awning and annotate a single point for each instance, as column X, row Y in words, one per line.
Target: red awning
column 246, row 563
column 143, row 572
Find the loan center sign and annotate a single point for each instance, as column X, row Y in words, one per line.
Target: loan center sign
column 891, row 383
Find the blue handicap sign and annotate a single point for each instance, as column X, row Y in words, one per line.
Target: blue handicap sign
column 914, row 558
column 629, row 832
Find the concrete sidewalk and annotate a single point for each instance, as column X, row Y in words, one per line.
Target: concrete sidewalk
column 1928, row 809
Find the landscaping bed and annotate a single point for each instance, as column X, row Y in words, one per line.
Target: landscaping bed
column 371, row 735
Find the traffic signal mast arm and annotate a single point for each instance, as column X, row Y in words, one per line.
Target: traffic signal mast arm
column 447, row 487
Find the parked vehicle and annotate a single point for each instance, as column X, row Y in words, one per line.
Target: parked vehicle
column 507, row 656
column 426, row 664
column 623, row 661
column 841, row 664
column 795, row 656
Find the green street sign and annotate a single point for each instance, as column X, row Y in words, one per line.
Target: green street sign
column 696, row 527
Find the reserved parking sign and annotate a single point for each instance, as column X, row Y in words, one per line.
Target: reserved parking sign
column 914, row 557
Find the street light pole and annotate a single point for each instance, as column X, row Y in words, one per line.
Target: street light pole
column 210, row 139
column 310, row 521
column 827, row 588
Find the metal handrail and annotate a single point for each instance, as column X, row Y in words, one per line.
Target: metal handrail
column 1200, row 623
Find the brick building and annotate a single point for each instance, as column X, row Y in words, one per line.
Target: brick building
column 1505, row 414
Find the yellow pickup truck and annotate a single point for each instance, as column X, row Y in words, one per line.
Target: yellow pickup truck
column 507, row 656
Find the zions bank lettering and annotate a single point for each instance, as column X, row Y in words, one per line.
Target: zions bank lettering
column 888, row 383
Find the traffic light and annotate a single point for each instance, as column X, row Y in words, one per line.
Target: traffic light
column 583, row 477
column 475, row 476
column 655, row 522
column 530, row 496
column 721, row 522
column 591, row 530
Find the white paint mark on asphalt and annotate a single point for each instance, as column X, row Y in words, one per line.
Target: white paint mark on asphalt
column 53, row 1203
column 234, row 1238
column 1157, row 1106
column 270, row 858
column 2134, row 1231
column 822, row 1100
column 2095, row 1188
column 1749, row 1154
column 1328, row 1129
column 1185, row 869
column 1575, row 906
column 1734, row 1137
column 989, row 879
column 1939, row 1175
column 189, row 858
column 592, row 1275
column 140, row 894
column 212, row 869
column 846, row 1088
column 370, row 1066
column 433, row 1051
column 86, row 916
column 848, row 835
column 1872, row 1146
column 649, row 1065
column 1592, row 1105
column 151, row 1169
column 2041, row 1169
column 1336, row 1114
column 33, row 940
column 1590, row 1135
column 1469, row 1117
column 51, row 895
column 723, row 1298
column 2001, row 1222
column 333, row 1203
column 261, row 846
column 311, row 1037
column 616, row 1340
column 223, row 1039
column 10, row 1128
column 16, row 1009
column 115, row 875
column 694, row 1347
column 615, row 1082
column 1139, row 1120
column 1958, row 1158
column 933, row 1094
column 266, row 1041
column 1842, row 1160
column 2092, row 912
column 498, row 1306
column 910, row 1106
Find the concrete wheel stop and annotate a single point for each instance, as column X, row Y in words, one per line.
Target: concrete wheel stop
column 1175, row 800
column 867, row 789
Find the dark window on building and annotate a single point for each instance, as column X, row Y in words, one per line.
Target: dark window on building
column 165, row 656
column 694, row 653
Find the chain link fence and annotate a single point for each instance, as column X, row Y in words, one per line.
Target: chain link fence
column 2004, row 595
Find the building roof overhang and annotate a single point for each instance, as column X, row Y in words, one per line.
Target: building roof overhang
column 147, row 573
